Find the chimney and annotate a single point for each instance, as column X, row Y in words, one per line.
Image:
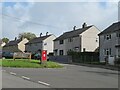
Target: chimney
column 15, row 38
column 74, row 27
column 40, row 34
column 84, row 25
column 22, row 38
column 46, row 33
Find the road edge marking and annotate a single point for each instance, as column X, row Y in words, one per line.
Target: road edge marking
column 12, row 73
column 44, row 83
column 24, row 77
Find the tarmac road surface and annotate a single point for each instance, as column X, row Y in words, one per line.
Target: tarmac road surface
column 71, row 76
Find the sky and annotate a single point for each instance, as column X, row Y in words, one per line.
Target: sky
column 54, row 17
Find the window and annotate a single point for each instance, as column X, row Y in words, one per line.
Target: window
column 96, row 40
column 107, row 37
column 45, row 43
column 61, row 41
column 107, row 51
column 61, row 52
column 76, row 49
column 70, row 39
column 118, row 35
column 110, row 36
column 55, row 52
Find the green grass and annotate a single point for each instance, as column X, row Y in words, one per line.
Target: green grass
column 24, row 63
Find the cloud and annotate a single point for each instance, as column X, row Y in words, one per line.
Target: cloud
column 57, row 18
column 59, row 0
column 13, row 17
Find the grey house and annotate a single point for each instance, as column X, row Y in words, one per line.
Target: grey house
column 110, row 42
column 79, row 40
column 40, row 43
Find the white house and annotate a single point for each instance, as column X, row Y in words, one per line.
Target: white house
column 84, row 39
column 17, row 45
column 2, row 43
column 110, row 42
column 41, row 43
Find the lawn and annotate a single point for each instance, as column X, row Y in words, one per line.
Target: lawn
column 24, row 63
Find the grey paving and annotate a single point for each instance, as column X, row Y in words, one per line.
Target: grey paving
column 71, row 76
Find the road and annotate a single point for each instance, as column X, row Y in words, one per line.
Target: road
column 0, row 78
column 11, row 81
column 71, row 76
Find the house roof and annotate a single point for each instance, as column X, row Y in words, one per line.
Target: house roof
column 37, row 39
column 73, row 33
column 13, row 42
column 112, row 28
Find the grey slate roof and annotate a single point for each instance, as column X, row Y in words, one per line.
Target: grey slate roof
column 73, row 33
column 12, row 43
column 37, row 39
column 112, row 28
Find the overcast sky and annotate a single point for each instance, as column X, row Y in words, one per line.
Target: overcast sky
column 55, row 17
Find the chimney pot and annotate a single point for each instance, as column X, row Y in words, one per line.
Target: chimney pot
column 74, row 27
column 46, row 33
column 15, row 38
column 84, row 25
column 40, row 34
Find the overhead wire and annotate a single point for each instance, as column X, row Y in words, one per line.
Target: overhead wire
column 36, row 23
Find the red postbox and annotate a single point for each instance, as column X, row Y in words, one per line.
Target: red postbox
column 44, row 55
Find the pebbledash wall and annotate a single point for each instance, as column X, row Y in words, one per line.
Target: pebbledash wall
column 88, row 39
column 67, row 45
column 107, row 44
column 46, row 44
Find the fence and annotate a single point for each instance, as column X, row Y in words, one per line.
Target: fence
column 84, row 57
column 61, row 59
column 21, row 55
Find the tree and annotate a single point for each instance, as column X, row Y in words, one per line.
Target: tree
column 27, row 35
column 5, row 40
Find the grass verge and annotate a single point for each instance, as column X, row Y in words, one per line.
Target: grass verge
column 24, row 63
